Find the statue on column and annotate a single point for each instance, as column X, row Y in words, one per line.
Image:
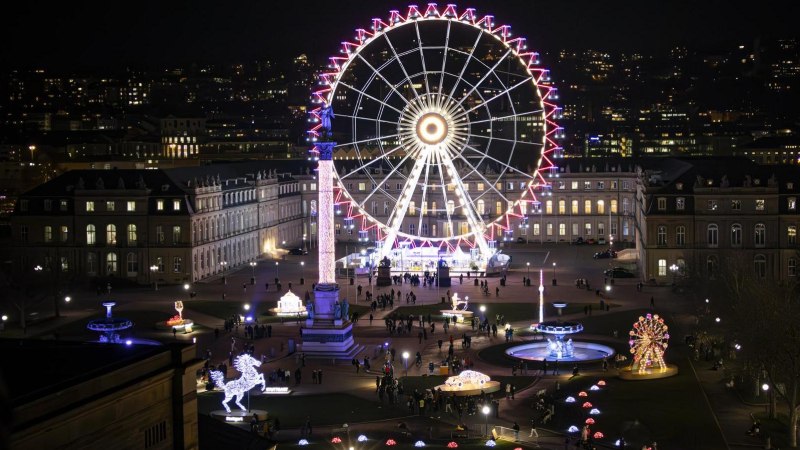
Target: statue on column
column 325, row 115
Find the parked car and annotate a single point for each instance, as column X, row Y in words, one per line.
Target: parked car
column 601, row 241
column 605, row 254
column 591, row 241
column 619, row 272
column 578, row 241
column 520, row 240
column 298, row 251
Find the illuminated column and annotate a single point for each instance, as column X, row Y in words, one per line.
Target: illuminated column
column 541, row 296
column 327, row 258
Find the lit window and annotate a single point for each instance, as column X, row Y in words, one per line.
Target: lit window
column 575, row 209
column 63, row 205
column 548, row 207
column 587, row 206
column 111, row 234
column 760, row 204
column 176, row 205
column 680, row 203
column 90, row 206
column 587, row 229
column 587, row 185
column 177, row 264
column 792, row 203
column 562, row 207
column 91, row 235
column 111, row 263
column 132, row 235
column 712, row 205
column 574, row 185
column 662, row 267
column 601, row 207
column 791, row 234
column 131, row 206
column 109, row 206
column 64, row 233
column 48, row 233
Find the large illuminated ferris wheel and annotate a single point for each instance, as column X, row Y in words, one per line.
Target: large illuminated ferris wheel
column 434, row 111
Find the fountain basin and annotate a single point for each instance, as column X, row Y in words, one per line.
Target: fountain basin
column 581, row 352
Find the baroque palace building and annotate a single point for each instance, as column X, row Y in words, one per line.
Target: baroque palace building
column 162, row 225
column 686, row 214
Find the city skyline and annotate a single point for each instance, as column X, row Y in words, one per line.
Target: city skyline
column 85, row 36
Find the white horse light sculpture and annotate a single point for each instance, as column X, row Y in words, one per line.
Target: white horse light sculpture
column 250, row 378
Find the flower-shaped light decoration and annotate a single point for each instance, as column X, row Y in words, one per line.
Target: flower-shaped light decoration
column 598, row 435
column 582, row 394
column 594, row 411
column 594, row 388
column 570, row 399
column 517, row 448
column 490, row 443
column 302, row 442
column 572, row 429
column 601, row 383
column 419, row 444
column 391, row 442
column 587, row 405
column 362, row 438
column 336, row 440
column 589, row 421
column 452, row 444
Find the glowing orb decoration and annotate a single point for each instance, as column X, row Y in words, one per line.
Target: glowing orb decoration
column 572, row 429
column 583, row 394
column 601, row 383
column 598, row 435
column 570, row 400
column 648, row 342
column 237, row 388
column 302, row 442
column 391, row 442
column 594, row 388
column 587, row 405
column 336, row 440
column 589, row 421
column 594, row 411
column 491, row 443
column 452, row 444
column 419, row 444
column 361, row 438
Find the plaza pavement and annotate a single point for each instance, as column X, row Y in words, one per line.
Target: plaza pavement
column 731, row 414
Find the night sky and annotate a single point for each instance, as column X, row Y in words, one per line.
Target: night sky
column 91, row 35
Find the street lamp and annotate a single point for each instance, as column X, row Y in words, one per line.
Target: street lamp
column 486, row 410
column 405, row 361
column 247, row 306
column 224, row 264
column 529, row 268
column 674, row 269
column 483, row 312
column 253, row 277
column 276, row 270
column 32, row 148
column 67, row 299
column 302, row 272
column 3, row 322
column 554, row 273
column 153, row 270
column 718, row 320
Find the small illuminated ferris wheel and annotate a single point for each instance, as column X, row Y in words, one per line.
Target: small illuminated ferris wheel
column 434, row 111
column 648, row 341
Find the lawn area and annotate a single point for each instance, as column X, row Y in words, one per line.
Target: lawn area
column 428, row 382
column 225, row 309
column 511, row 311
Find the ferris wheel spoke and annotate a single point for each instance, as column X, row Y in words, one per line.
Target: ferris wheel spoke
column 480, row 175
column 371, row 119
column 466, row 63
column 395, row 220
column 474, row 220
column 440, row 98
column 377, row 74
column 354, row 89
column 402, row 67
column 502, row 118
column 495, row 138
column 389, row 175
column 377, row 138
column 485, row 76
column 422, row 58
column 506, row 165
column 505, row 92
column 424, row 197
column 364, row 166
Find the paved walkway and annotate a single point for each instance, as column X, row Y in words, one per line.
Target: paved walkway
column 732, row 415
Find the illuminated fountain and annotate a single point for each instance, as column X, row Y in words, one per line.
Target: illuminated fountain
column 469, row 382
column 109, row 327
column 558, row 345
column 290, row 305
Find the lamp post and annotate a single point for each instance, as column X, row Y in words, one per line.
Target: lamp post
column 276, row 271
column 302, row 272
column 486, row 410
column 224, row 264
column 674, row 269
column 554, row 274
column 153, row 270
column 529, row 268
column 253, row 276
column 483, row 312
column 405, row 361
column 32, row 148
column 3, row 320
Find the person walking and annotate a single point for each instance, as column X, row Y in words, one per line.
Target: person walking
column 516, row 431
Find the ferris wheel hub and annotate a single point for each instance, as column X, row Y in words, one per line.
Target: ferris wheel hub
column 432, row 128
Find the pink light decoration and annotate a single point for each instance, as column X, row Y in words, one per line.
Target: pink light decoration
column 391, row 442
column 601, row 383
column 587, row 405
column 452, row 444
column 589, row 421
column 582, row 394
column 336, row 440
column 599, row 435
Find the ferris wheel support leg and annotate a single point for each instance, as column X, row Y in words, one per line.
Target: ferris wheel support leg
column 399, row 212
column 475, row 222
